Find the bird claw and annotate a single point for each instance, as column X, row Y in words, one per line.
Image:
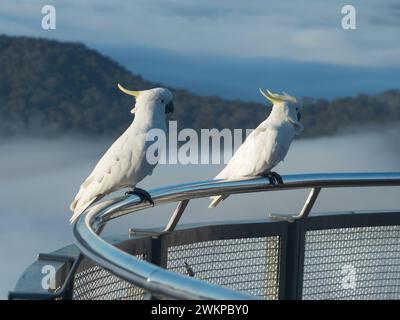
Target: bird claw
column 277, row 177
column 274, row 178
column 142, row 194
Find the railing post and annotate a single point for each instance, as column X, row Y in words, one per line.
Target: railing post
column 176, row 216
column 292, row 261
column 159, row 253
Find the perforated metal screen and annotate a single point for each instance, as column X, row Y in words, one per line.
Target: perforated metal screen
column 352, row 263
column 339, row 263
column 95, row 283
column 250, row 265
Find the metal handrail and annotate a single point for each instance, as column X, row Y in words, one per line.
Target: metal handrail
column 171, row 284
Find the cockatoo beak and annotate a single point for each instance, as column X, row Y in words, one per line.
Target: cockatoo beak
column 169, row 107
column 129, row 93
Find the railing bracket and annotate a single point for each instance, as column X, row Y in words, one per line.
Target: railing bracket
column 308, row 205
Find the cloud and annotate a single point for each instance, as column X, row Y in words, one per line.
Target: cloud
column 208, row 9
column 390, row 17
column 239, row 78
column 298, row 30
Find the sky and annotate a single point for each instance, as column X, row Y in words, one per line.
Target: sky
column 230, row 48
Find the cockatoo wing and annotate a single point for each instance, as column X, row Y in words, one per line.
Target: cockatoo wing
column 123, row 164
column 257, row 155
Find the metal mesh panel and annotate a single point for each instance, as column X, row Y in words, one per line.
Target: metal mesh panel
column 250, row 265
column 352, row 263
column 95, row 283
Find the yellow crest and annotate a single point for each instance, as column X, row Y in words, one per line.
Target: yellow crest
column 129, row 92
column 276, row 98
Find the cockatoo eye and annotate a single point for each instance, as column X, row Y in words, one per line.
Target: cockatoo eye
column 162, row 101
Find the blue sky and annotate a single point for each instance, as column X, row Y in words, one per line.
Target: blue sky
column 230, row 48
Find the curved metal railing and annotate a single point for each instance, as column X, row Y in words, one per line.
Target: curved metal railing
column 171, row 284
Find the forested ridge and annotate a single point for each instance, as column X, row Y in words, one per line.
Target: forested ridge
column 50, row 87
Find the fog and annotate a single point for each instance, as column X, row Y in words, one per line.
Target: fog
column 39, row 177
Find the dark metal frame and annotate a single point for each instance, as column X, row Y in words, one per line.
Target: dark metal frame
column 292, row 246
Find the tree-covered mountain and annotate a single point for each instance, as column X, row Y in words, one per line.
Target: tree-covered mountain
column 49, row 87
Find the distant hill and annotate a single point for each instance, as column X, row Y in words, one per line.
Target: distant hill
column 49, row 87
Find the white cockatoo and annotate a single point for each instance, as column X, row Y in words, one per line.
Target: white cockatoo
column 267, row 145
column 125, row 163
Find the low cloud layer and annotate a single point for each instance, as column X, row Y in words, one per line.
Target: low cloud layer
column 39, row 177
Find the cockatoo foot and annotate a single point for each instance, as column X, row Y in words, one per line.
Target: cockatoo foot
column 270, row 178
column 142, row 194
column 274, row 178
column 277, row 177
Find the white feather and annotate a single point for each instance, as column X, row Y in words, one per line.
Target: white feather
column 264, row 148
column 125, row 164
